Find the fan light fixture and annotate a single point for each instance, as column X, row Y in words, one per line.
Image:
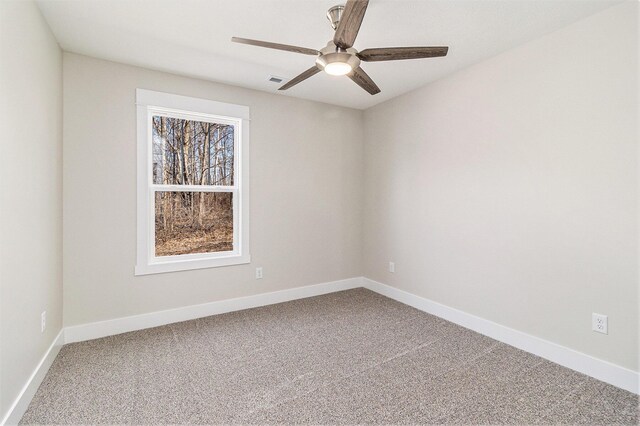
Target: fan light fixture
column 337, row 63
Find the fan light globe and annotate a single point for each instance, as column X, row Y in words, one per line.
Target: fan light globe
column 338, row 68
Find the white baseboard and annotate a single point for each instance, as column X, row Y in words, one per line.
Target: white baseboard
column 20, row 405
column 578, row 361
column 99, row 329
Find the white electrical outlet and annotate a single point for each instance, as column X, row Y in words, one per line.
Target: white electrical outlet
column 43, row 321
column 599, row 323
column 258, row 273
column 392, row 267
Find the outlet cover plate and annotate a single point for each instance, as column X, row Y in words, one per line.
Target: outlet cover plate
column 599, row 323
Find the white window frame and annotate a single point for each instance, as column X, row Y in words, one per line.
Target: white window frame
column 151, row 103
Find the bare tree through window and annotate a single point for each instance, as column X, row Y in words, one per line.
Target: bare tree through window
column 197, row 159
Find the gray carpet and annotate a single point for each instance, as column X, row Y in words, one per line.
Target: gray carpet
column 349, row 357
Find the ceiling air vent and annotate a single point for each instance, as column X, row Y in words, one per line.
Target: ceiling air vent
column 274, row 79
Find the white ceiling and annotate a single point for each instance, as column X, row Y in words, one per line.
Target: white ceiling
column 192, row 37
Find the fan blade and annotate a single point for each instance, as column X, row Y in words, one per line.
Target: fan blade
column 278, row 46
column 305, row 75
column 350, row 23
column 397, row 53
column 363, row 80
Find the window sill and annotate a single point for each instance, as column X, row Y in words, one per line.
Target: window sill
column 190, row 264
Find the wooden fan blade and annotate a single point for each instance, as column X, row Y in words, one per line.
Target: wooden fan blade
column 363, row 80
column 397, row 53
column 278, row 46
column 305, row 75
column 350, row 23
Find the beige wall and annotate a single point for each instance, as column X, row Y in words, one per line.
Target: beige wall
column 306, row 189
column 509, row 190
column 31, row 193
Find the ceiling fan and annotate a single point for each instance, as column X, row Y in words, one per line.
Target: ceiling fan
column 338, row 57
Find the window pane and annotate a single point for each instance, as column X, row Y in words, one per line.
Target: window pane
column 188, row 152
column 193, row 222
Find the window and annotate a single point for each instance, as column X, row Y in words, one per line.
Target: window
column 193, row 199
